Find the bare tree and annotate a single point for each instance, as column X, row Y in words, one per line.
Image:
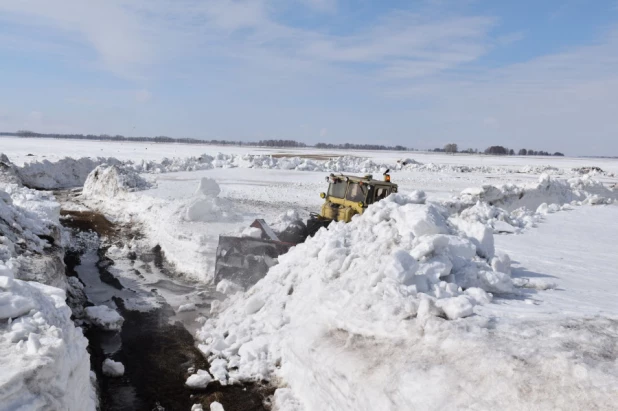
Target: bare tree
column 450, row 148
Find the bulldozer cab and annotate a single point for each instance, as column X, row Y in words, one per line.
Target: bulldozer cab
column 351, row 195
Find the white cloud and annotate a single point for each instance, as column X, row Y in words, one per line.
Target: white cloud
column 130, row 36
column 143, row 96
column 323, row 132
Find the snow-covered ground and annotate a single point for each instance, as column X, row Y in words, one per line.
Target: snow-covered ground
column 488, row 282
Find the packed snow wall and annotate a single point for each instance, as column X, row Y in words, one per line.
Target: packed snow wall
column 44, row 364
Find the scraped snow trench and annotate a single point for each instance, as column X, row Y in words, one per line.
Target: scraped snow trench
column 141, row 315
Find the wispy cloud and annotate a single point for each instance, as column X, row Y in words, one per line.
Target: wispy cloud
column 129, row 36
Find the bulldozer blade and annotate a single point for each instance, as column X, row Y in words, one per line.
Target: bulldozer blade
column 246, row 260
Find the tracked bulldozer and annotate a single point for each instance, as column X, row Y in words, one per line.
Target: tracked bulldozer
column 245, row 260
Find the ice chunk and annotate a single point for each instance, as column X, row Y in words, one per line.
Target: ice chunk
column 112, row 368
column 501, row 263
column 456, row 307
column 428, row 308
column 480, row 235
column 425, row 220
column 199, row 380
column 479, row 295
column 104, row 317
column 215, row 406
column 402, row 267
column 503, row 227
column 227, row 287
column 218, row 369
column 208, row 187
column 253, row 305
column 187, row 307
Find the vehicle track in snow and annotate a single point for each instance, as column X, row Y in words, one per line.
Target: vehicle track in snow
column 154, row 345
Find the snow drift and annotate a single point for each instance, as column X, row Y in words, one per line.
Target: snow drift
column 382, row 276
column 44, row 364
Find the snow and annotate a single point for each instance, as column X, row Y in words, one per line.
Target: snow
column 112, row 368
column 357, row 278
column 43, row 359
column 104, row 317
column 485, row 278
column 216, row 406
column 187, row 307
column 111, row 180
column 199, row 380
column 227, row 287
column 44, row 363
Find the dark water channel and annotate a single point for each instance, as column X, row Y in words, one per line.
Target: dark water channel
column 156, row 350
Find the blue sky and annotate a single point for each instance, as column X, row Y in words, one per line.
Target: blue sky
column 533, row 74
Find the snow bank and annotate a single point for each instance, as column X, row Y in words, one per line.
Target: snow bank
column 509, row 208
column 109, row 181
column 65, row 173
column 44, row 364
column 70, row 172
column 381, row 276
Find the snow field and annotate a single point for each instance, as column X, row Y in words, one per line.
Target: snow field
column 413, row 309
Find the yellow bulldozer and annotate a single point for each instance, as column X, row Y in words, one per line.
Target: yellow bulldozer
column 245, row 260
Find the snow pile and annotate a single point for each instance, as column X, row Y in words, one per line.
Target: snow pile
column 44, row 364
column 540, row 170
column 112, row 368
column 206, row 206
column 109, row 181
column 104, row 317
column 532, row 195
column 382, row 276
column 65, row 173
column 509, row 208
column 592, row 171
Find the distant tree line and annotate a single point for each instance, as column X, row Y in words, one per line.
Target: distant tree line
column 158, row 139
column 165, row 139
column 495, row 150
column 503, row 151
column 450, row 148
column 348, row 146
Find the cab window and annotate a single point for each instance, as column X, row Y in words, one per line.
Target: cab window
column 381, row 193
column 356, row 192
column 337, row 189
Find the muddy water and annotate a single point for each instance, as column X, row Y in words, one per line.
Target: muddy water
column 154, row 345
